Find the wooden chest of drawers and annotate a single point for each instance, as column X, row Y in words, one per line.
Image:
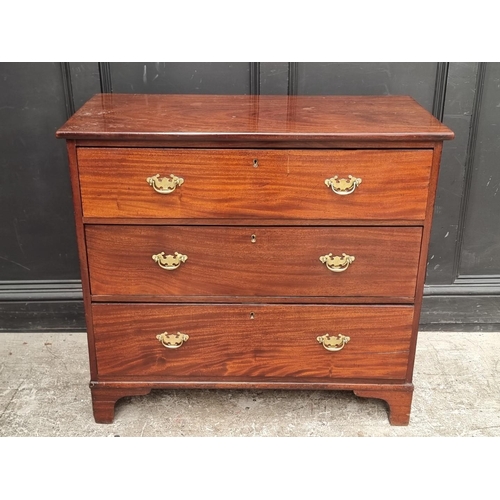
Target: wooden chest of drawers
column 253, row 241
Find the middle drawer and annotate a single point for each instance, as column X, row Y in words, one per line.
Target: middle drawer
column 193, row 263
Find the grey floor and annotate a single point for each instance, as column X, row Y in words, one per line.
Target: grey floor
column 44, row 392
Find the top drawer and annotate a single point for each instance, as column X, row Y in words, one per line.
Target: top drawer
column 274, row 184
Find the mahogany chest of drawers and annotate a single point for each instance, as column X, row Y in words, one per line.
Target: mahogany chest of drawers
column 253, row 241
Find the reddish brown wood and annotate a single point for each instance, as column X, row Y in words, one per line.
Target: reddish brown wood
column 252, row 342
column 104, row 399
column 224, row 261
column 397, row 397
column 248, row 222
column 225, row 183
column 266, row 118
column 238, row 299
column 298, row 143
column 270, row 383
column 422, row 266
column 116, row 141
column 82, row 252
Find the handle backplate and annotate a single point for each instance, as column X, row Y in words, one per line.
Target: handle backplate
column 165, row 185
column 337, row 264
column 333, row 343
column 172, row 340
column 169, row 262
column 343, row 186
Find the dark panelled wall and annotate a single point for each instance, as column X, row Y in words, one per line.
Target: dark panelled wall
column 38, row 253
column 39, row 274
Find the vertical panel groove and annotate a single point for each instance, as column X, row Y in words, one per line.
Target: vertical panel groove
column 105, row 77
column 469, row 164
column 254, row 78
column 293, row 74
column 440, row 90
column 68, row 89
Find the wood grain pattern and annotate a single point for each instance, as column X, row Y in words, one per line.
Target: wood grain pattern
column 398, row 398
column 422, row 265
column 237, row 299
column 224, row 261
column 397, row 395
column 225, row 184
column 252, row 341
column 82, row 252
column 253, row 311
column 104, row 400
column 247, row 222
column 249, row 142
column 194, row 118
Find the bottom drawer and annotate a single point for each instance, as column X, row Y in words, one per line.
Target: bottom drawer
column 256, row 342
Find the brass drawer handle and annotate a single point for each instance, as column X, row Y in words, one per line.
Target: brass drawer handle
column 165, row 185
column 169, row 262
column 343, row 186
column 172, row 340
column 333, row 343
column 337, row 264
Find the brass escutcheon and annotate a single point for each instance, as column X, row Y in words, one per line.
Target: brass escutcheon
column 172, row 340
column 169, row 262
column 165, row 185
column 337, row 264
column 343, row 186
column 333, row 343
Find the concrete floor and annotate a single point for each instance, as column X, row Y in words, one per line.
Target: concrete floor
column 44, row 392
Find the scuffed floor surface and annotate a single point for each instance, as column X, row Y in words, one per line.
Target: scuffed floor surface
column 44, row 392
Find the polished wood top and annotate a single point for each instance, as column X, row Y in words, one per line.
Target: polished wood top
column 195, row 118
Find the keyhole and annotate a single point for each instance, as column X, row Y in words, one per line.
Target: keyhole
column 252, row 315
column 253, row 238
column 255, row 163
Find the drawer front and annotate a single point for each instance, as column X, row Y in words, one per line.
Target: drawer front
column 251, row 262
column 263, row 342
column 233, row 184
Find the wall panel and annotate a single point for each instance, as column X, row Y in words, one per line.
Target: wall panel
column 480, row 250
column 39, row 274
column 415, row 79
column 181, row 78
column 37, row 235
